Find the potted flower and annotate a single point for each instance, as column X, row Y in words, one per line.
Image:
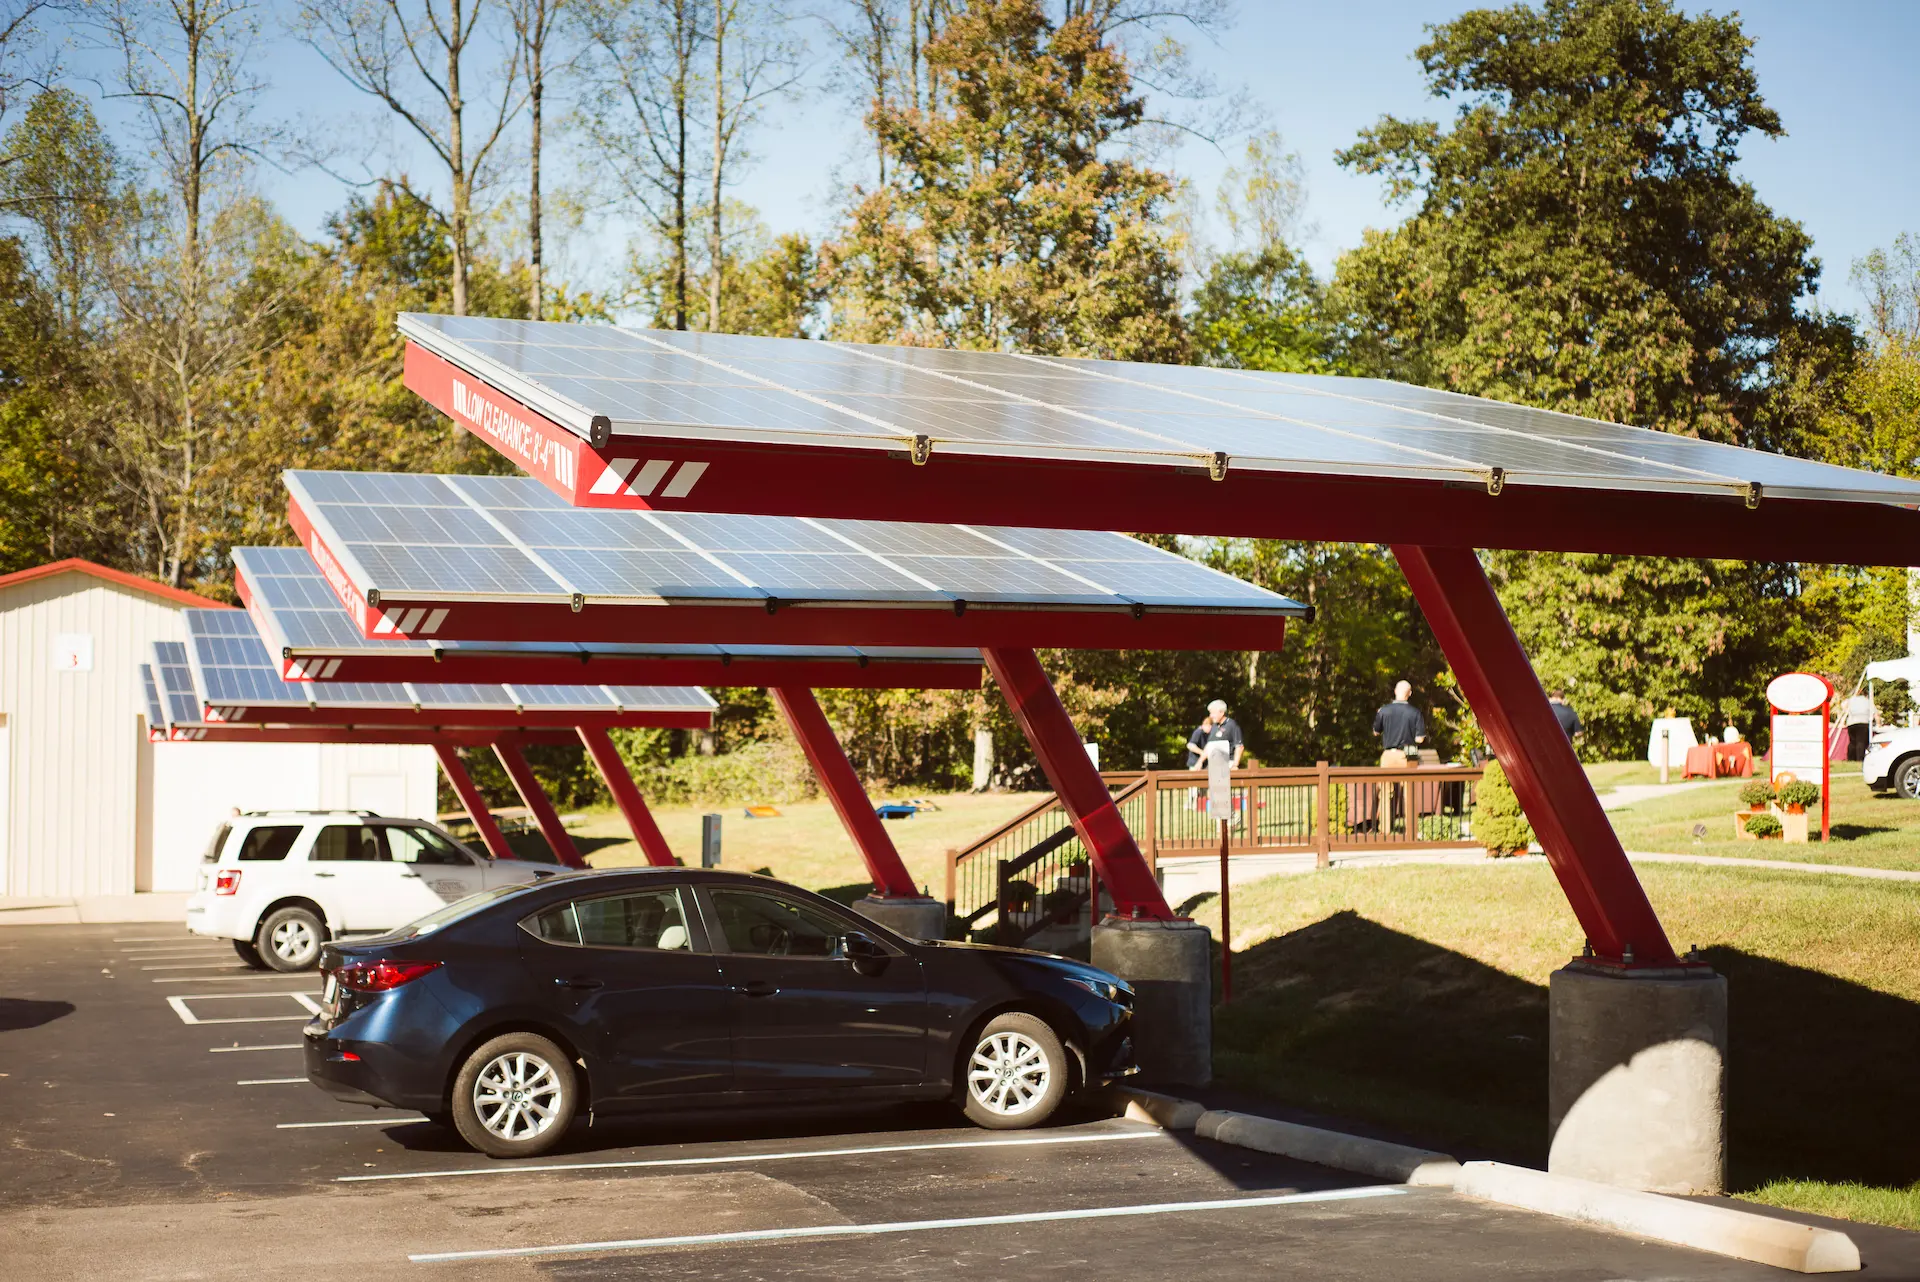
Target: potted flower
column 1756, row 794
column 1763, row 826
column 1019, row 896
column 1795, row 797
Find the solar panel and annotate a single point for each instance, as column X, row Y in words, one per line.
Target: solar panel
column 174, row 676
column 226, row 667
column 156, row 710
column 651, row 384
column 527, row 548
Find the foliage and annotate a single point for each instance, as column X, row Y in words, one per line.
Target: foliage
column 1010, row 218
column 1764, row 826
column 1800, row 793
column 1499, row 825
column 1758, row 792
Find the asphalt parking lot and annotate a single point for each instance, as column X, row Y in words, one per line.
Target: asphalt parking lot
column 159, row 1127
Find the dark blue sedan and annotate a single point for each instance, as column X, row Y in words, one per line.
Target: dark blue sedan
column 509, row 1013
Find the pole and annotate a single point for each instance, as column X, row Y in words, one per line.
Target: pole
column 514, row 762
column 632, row 805
column 842, row 786
column 476, row 805
column 1226, row 921
column 1666, row 751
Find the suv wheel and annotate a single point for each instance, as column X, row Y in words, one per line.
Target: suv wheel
column 515, row 1096
column 289, row 939
column 1017, row 1073
column 249, row 954
column 1906, row 779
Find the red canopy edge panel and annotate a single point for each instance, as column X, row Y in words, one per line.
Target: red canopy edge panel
column 1172, row 498
column 774, row 623
column 455, row 736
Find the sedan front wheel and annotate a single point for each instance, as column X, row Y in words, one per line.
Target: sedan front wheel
column 1017, row 1073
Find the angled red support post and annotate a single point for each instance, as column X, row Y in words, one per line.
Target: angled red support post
column 1043, row 718
column 626, row 796
column 1505, row 695
column 836, row 774
column 476, row 805
column 534, row 797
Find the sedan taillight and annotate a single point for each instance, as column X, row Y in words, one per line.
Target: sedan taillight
column 227, row 882
column 379, row 976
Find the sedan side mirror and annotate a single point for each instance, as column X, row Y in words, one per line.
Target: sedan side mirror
column 860, row 951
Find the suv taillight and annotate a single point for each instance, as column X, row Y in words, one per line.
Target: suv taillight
column 227, row 882
column 379, row 976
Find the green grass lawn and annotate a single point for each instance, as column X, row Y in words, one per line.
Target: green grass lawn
column 1415, row 998
column 1867, row 831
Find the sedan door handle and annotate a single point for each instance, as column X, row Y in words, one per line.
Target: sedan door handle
column 756, row 988
column 414, row 875
column 323, row 874
column 580, row 981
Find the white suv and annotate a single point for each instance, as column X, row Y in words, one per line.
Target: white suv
column 1893, row 761
column 280, row 883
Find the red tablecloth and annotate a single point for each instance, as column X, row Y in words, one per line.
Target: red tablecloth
column 1701, row 762
column 1733, row 760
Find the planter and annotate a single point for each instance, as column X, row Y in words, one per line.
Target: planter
column 1794, row 822
column 1506, row 854
column 1740, row 832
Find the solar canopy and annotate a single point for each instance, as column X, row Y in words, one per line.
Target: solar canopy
column 501, row 558
column 301, row 621
column 234, row 679
column 609, row 416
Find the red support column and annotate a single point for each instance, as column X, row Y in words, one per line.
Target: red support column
column 1063, row 757
column 836, row 774
column 1558, row 798
column 534, row 797
column 627, row 797
column 470, row 797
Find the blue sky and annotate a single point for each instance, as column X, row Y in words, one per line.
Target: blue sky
column 1838, row 71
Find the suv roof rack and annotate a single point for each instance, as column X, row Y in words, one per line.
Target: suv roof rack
column 364, row 814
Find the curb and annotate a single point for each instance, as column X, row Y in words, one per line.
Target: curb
column 1721, row 1230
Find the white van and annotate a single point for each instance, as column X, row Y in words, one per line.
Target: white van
column 281, row 883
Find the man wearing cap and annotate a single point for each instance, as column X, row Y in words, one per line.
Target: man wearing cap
column 1217, row 728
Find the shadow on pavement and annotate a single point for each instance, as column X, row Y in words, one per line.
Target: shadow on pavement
column 20, row 1012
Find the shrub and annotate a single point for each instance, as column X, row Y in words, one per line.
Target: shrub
column 1800, row 793
column 1498, row 822
column 1764, row 826
column 1757, row 793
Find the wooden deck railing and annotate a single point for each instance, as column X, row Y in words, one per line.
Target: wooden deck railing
column 1022, row 872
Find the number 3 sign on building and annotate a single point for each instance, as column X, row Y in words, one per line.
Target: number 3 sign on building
column 1801, row 702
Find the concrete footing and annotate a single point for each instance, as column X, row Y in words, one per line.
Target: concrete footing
column 1636, row 1082
column 914, row 918
column 1170, row 965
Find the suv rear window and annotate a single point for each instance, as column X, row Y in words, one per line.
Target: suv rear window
column 272, row 841
column 212, row 853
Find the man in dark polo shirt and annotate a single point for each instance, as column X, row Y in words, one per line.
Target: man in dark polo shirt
column 1400, row 726
column 1217, row 728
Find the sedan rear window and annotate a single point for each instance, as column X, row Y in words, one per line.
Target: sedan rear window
column 268, row 843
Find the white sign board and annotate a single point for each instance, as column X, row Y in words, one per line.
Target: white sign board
column 1797, row 692
column 73, row 651
column 1799, row 746
column 1220, row 779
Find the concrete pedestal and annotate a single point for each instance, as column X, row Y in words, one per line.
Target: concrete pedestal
column 1170, row 965
column 915, row 918
column 1637, row 1075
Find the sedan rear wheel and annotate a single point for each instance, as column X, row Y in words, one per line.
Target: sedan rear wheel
column 1017, row 1074
column 515, row 1096
column 289, row 939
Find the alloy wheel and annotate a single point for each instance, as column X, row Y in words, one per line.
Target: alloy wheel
column 516, row 1096
column 1009, row 1073
column 293, row 941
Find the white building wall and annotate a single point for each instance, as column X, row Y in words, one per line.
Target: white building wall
column 89, row 807
column 73, row 736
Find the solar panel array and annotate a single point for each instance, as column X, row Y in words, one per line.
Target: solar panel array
column 507, row 538
column 156, row 710
column 299, row 617
column 662, row 383
column 173, row 672
column 231, row 667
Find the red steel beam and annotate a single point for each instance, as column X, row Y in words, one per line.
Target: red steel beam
column 476, row 805
column 850, row 801
column 358, row 734
column 514, row 762
column 1178, row 498
column 434, row 718
column 1506, row 698
column 626, row 796
column 1043, row 718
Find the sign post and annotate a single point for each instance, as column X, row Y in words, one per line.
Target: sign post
column 1800, row 703
column 1220, row 806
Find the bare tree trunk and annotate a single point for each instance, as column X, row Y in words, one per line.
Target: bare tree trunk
column 722, row 16
column 536, row 91
column 457, row 162
column 682, row 125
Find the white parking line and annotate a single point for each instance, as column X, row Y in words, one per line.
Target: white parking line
column 378, row 1121
column 192, row 965
column 182, row 938
column 270, row 1081
column 180, row 1008
column 917, row 1226
column 277, row 1046
column 734, row 1158
column 228, row 979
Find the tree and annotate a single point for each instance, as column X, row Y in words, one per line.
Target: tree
column 535, row 22
column 63, row 184
column 414, row 57
column 764, row 65
column 1579, row 238
column 1009, row 219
